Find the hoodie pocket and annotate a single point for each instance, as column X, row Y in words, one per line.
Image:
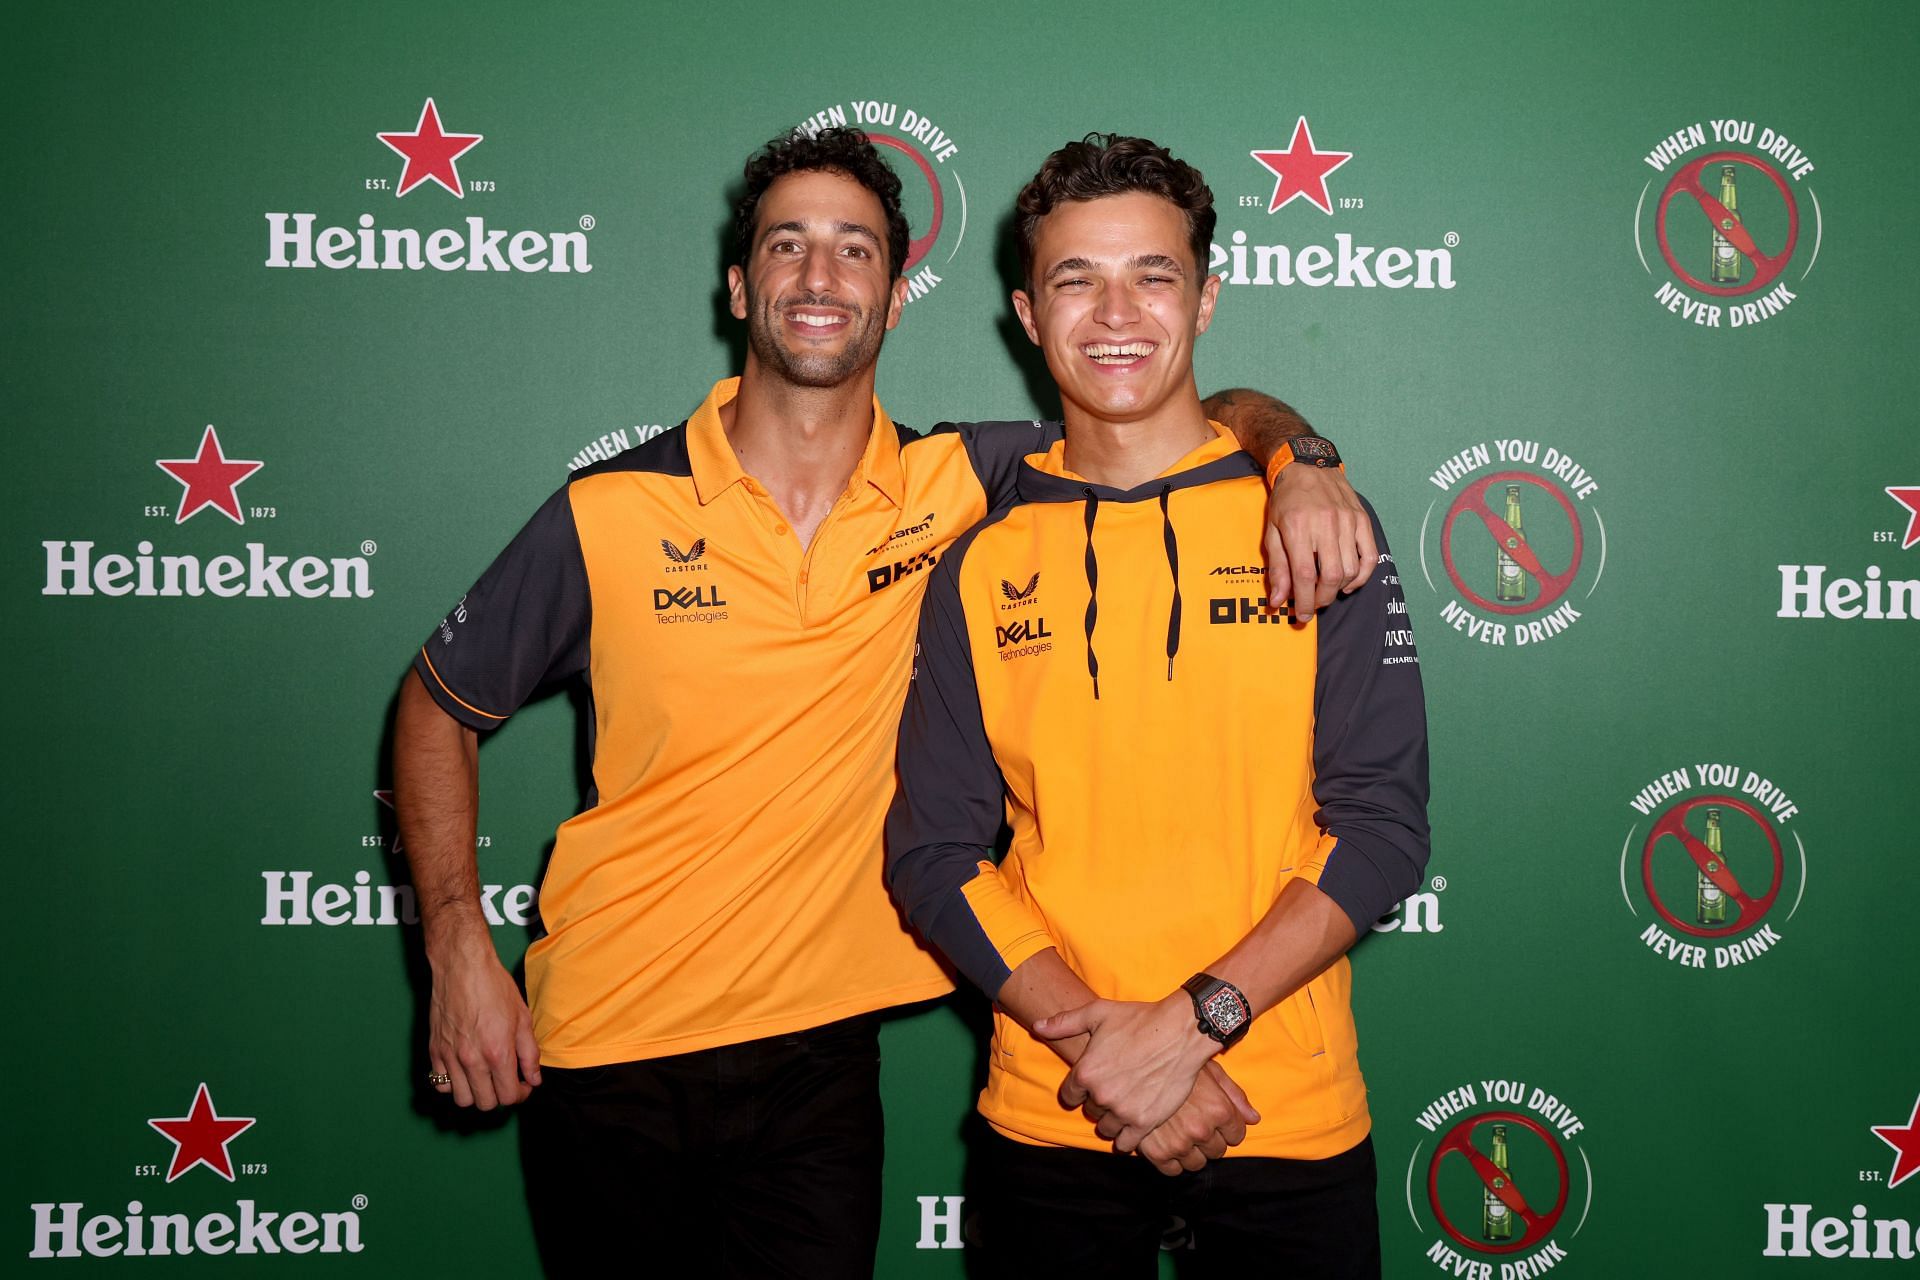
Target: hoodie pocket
column 1300, row 1016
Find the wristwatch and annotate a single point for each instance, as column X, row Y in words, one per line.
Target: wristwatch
column 1220, row 1008
column 1315, row 451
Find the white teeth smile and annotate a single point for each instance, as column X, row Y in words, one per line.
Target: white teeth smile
column 815, row 322
column 1107, row 353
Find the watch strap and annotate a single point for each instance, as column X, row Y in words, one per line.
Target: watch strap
column 1315, row 451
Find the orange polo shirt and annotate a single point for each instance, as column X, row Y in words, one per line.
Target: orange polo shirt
column 724, row 882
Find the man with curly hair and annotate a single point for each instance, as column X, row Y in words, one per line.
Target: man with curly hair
column 700, row 1060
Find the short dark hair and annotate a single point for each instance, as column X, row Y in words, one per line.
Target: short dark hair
column 1109, row 164
column 845, row 151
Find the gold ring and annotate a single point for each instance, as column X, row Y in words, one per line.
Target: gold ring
column 439, row 1077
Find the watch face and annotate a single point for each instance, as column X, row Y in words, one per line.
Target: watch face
column 1224, row 1011
column 1314, row 449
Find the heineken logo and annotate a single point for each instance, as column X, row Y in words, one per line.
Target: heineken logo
column 209, row 480
column 1905, row 1141
column 1709, row 872
column 1518, row 545
column 1908, row 496
column 431, row 153
column 1730, row 220
column 1354, row 260
column 430, row 156
column 1508, row 1187
column 202, row 1138
column 1300, row 172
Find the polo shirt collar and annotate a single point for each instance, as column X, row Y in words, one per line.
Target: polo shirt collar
column 716, row 467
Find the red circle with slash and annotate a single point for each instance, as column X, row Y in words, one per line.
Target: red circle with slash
column 1460, row 1139
column 1765, row 268
column 916, row 249
column 1473, row 499
column 1674, row 823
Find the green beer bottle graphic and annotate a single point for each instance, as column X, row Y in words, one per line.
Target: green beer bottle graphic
column 1709, row 903
column 1510, row 582
column 1496, row 1220
column 1726, row 258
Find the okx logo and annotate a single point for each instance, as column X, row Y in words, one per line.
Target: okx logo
column 187, row 1222
column 1517, row 546
column 1729, row 226
column 1507, row 1182
column 1710, row 868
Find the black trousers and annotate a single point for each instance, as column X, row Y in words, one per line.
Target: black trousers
column 1061, row 1212
column 749, row 1160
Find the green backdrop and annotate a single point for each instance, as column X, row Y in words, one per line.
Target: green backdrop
column 1509, row 287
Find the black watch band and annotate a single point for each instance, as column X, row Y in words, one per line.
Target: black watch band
column 1315, row 451
column 1219, row 1008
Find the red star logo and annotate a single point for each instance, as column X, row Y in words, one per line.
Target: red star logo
column 209, row 479
column 1908, row 496
column 1905, row 1140
column 430, row 153
column 1302, row 170
column 201, row 1137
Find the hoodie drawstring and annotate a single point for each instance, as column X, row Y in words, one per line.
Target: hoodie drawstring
column 1172, row 545
column 1093, row 590
column 1173, row 567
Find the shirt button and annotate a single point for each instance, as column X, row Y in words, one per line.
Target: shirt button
column 780, row 529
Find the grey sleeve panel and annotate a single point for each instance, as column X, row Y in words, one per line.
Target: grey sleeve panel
column 524, row 624
column 996, row 448
column 1370, row 747
column 949, row 799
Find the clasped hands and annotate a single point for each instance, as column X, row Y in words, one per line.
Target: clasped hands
column 1148, row 1081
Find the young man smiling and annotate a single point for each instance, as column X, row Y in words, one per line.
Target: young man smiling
column 701, row 1053
column 1208, row 805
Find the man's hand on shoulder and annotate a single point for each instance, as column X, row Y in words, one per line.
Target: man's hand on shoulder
column 479, row 1032
column 1318, row 541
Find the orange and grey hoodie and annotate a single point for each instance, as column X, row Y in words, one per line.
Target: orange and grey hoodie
column 1096, row 668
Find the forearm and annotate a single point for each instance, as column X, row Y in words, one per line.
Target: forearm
column 1040, row 987
column 436, row 792
column 1258, row 421
column 1302, row 933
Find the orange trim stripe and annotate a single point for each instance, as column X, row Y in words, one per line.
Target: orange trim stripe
column 428, row 659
